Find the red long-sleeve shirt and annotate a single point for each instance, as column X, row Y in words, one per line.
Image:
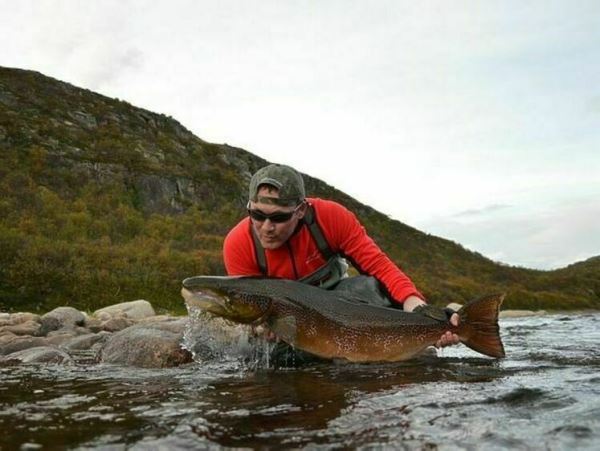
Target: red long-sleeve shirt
column 300, row 255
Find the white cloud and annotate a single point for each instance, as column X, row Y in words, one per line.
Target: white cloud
column 546, row 235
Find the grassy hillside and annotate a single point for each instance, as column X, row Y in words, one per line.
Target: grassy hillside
column 102, row 202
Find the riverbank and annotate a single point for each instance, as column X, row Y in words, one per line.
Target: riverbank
column 128, row 334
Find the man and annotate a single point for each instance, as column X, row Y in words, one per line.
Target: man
column 307, row 239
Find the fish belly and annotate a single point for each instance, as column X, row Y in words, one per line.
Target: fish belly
column 366, row 345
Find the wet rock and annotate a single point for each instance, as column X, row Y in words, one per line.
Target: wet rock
column 155, row 345
column 116, row 324
column 85, row 341
column 57, row 339
column 93, row 324
column 61, row 317
column 135, row 310
column 22, row 317
column 172, row 324
column 102, row 316
column 71, row 330
column 41, row 354
column 156, row 319
column 6, row 336
column 25, row 328
column 8, row 319
column 19, row 343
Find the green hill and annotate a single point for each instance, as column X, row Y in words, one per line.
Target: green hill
column 102, row 202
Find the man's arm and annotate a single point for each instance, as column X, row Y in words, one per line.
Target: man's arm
column 346, row 235
column 238, row 252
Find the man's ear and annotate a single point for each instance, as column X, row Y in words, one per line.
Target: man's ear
column 302, row 210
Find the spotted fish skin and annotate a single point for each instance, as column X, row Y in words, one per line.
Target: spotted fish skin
column 339, row 325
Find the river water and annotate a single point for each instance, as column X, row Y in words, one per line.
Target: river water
column 544, row 395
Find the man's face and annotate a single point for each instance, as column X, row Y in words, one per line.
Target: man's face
column 274, row 234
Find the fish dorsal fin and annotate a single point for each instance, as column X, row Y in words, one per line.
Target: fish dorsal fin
column 285, row 328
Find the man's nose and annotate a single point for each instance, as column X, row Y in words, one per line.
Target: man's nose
column 268, row 224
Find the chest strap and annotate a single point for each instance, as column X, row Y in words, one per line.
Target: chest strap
column 315, row 232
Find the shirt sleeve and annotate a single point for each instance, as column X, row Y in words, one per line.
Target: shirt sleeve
column 238, row 251
column 350, row 238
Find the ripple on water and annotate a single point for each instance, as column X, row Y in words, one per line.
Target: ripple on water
column 518, row 396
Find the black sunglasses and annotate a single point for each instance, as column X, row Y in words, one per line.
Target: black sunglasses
column 277, row 217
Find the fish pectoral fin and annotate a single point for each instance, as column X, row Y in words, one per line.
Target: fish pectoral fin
column 285, row 328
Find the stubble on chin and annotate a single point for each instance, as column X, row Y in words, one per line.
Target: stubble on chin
column 270, row 244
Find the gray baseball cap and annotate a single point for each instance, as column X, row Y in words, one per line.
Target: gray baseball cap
column 287, row 180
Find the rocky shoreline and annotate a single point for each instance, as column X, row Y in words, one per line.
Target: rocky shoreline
column 129, row 334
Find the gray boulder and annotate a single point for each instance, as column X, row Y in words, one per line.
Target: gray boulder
column 61, row 317
column 172, row 324
column 116, row 324
column 19, row 343
column 40, row 354
column 22, row 317
column 154, row 345
column 57, row 338
column 83, row 342
column 6, row 336
column 10, row 319
column 93, row 324
column 25, row 328
column 135, row 310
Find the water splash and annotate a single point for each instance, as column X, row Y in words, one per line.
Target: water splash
column 213, row 339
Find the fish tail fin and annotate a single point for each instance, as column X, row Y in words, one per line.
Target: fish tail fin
column 478, row 327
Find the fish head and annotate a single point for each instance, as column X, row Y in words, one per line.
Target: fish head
column 227, row 297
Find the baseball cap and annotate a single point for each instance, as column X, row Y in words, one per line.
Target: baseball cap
column 287, row 180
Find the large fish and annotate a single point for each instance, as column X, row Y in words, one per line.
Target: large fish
column 337, row 325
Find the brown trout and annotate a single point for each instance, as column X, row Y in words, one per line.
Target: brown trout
column 338, row 325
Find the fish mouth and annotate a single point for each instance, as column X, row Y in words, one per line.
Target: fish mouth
column 205, row 300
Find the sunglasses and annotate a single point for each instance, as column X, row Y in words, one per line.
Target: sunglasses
column 277, row 217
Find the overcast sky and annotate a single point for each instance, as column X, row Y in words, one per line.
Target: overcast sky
column 474, row 121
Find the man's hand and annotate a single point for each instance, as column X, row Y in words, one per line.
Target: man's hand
column 448, row 338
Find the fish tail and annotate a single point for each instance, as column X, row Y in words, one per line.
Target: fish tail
column 478, row 327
